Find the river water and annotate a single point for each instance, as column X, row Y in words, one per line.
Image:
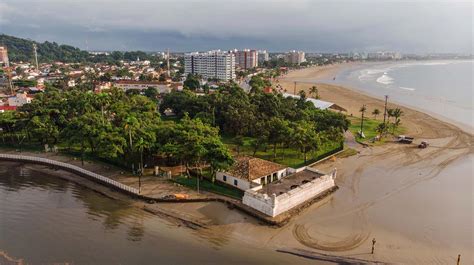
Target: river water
column 46, row 220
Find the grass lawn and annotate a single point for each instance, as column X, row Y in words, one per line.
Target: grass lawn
column 209, row 186
column 291, row 157
column 370, row 128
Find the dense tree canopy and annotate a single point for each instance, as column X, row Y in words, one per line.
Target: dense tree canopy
column 268, row 118
column 115, row 126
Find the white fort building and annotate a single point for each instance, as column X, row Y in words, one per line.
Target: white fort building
column 272, row 188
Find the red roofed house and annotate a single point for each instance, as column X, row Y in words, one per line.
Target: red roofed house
column 7, row 108
column 248, row 172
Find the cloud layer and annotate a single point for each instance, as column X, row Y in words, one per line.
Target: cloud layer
column 186, row 25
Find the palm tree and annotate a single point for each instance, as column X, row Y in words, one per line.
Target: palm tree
column 397, row 113
column 376, row 112
column 314, row 92
column 381, row 128
column 363, row 109
column 389, row 114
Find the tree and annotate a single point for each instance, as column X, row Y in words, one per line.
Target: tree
column 239, row 142
column 192, row 82
column 305, row 138
column 314, row 92
column 396, row 113
column 376, row 112
column 390, row 113
column 278, row 131
column 362, row 110
column 151, row 93
column 162, row 77
column 381, row 128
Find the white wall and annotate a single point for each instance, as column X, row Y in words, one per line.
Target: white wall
column 241, row 184
column 274, row 205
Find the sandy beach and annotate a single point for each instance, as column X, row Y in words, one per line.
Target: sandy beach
column 407, row 198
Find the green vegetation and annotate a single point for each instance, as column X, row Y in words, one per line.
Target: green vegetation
column 272, row 122
column 371, row 128
column 117, row 127
column 207, row 185
column 285, row 155
column 22, row 50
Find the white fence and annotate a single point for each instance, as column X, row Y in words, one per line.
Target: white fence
column 70, row 167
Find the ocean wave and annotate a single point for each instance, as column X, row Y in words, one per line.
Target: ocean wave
column 407, row 88
column 385, row 79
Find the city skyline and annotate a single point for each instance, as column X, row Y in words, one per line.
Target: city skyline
column 312, row 26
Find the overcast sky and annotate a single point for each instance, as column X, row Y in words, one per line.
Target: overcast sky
column 187, row 25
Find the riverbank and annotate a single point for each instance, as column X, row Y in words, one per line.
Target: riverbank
column 114, row 183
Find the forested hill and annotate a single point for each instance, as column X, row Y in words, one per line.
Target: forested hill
column 22, row 50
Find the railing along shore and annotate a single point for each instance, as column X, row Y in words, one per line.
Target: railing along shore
column 72, row 168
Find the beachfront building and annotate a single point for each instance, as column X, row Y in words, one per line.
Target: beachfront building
column 272, row 188
column 246, row 59
column 296, row 189
column 295, row 57
column 248, row 172
column 262, row 56
column 319, row 104
column 210, row 65
column 384, row 55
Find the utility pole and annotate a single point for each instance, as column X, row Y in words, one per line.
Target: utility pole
column 294, row 89
column 385, row 109
column 459, row 259
column 36, row 56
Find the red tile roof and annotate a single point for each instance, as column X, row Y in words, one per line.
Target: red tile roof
column 251, row 168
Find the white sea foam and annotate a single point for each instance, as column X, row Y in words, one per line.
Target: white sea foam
column 385, row 79
column 407, row 88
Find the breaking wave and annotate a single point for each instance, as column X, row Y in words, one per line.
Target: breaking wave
column 385, row 79
column 407, row 88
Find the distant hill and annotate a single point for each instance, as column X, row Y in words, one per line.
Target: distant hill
column 22, row 50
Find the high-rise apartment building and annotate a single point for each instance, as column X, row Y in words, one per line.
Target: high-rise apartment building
column 263, row 56
column 295, row 57
column 246, row 59
column 3, row 55
column 213, row 64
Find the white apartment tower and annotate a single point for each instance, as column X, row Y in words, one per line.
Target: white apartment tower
column 246, row 59
column 262, row 56
column 295, row 57
column 212, row 64
column 4, row 55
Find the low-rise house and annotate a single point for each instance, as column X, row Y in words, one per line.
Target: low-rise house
column 19, row 100
column 248, row 172
column 7, row 108
column 319, row 104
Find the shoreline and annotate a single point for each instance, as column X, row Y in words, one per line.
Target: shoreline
column 317, row 75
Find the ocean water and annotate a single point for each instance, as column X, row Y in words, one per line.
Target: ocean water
column 442, row 88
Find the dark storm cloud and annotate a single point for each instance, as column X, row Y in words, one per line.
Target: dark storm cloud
column 420, row 26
